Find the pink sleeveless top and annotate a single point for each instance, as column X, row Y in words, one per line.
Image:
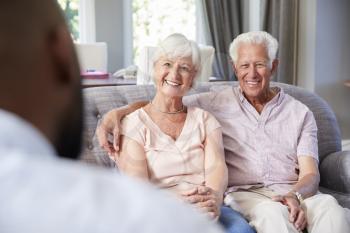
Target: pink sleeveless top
column 173, row 164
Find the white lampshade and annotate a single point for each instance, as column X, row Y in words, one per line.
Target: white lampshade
column 92, row 56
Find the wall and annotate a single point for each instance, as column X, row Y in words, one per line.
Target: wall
column 324, row 54
column 333, row 58
column 110, row 28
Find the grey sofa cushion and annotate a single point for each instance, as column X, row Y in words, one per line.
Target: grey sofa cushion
column 334, row 180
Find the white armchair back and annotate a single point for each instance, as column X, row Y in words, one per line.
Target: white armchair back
column 145, row 64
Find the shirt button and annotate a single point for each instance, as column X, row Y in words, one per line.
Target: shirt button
column 90, row 146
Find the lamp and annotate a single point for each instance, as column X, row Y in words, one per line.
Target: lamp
column 92, row 56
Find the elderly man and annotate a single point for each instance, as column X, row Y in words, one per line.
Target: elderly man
column 273, row 166
column 40, row 119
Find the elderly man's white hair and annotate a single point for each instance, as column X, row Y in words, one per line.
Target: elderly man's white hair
column 255, row 37
column 177, row 46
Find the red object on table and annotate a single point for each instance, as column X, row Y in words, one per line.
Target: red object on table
column 94, row 75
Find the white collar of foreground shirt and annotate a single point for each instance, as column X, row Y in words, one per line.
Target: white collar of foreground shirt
column 18, row 134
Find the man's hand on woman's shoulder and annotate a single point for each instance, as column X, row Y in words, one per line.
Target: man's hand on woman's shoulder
column 108, row 132
column 109, row 129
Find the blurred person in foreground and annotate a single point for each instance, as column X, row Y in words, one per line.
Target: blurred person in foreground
column 42, row 188
column 175, row 147
column 273, row 166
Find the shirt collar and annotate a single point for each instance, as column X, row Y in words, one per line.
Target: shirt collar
column 18, row 134
column 240, row 94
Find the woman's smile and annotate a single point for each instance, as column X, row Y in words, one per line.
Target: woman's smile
column 172, row 83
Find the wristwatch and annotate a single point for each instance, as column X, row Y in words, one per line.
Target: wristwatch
column 298, row 196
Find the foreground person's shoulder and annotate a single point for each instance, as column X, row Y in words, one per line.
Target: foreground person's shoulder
column 130, row 205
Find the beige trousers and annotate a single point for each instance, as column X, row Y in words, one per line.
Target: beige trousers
column 324, row 214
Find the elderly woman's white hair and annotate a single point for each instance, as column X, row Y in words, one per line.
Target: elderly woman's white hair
column 255, row 37
column 176, row 46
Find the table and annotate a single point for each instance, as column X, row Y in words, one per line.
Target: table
column 347, row 83
column 111, row 81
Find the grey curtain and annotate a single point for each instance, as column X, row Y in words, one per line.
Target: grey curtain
column 223, row 22
column 280, row 19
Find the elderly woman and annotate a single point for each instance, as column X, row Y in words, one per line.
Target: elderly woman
column 175, row 147
column 172, row 146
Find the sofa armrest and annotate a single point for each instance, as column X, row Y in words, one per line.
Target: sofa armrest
column 335, row 171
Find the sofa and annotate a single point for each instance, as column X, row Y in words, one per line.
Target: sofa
column 334, row 163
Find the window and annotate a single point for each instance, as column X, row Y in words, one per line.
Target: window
column 80, row 17
column 153, row 20
column 71, row 12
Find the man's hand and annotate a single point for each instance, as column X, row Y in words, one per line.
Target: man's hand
column 108, row 132
column 205, row 199
column 297, row 215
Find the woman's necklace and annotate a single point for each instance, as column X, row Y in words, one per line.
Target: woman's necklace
column 175, row 112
